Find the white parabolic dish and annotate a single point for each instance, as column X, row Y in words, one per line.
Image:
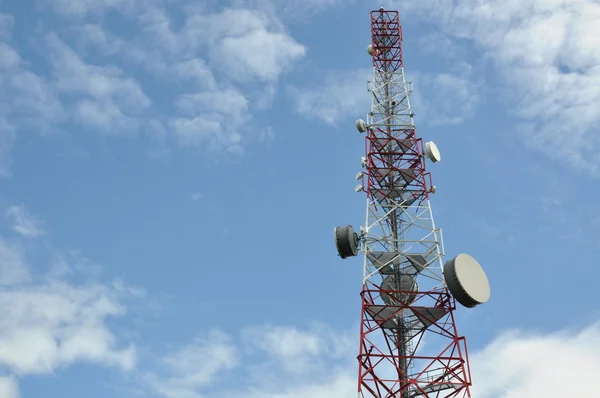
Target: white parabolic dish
column 467, row 281
column 432, row 152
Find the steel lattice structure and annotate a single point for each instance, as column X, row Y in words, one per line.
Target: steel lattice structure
column 404, row 298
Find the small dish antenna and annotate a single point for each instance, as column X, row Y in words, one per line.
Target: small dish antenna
column 432, row 152
column 359, row 175
column 363, row 161
column 361, row 126
column 466, row 280
column 346, row 241
column 358, row 188
column 370, row 49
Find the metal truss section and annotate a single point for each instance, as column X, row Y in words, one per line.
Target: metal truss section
column 404, row 297
column 402, row 239
column 385, row 370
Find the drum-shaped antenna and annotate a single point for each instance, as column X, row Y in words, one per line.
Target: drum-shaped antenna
column 346, row 241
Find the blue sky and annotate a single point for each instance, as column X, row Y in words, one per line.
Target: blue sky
column 171, row 174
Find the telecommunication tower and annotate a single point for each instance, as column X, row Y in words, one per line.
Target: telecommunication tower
column 409, row 343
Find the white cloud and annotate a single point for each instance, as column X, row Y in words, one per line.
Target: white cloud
column 515, row 364
column 49, row 323
column 81, row 8
column 337, row 385
column 195, row 365
column 341, row 95
column 266, row 362
column 25, row 100
column 24, row 223
column 6, row 24
column 249, row 44
column 9, row 388
column 301, row 8
column 446, row 98
column 52, row 325
column 296, row 350
column 219, row 67
column 549, row 59
column 7, row 138
column 449, row 98
column 111, row 101
column 288, row 343
column 223, row 66
column 521, row 364
column 212, row 118
column 13, row 269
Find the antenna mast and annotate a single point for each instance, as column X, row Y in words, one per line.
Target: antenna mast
column 408, row 294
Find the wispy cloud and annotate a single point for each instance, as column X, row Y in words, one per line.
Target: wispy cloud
column 218, row 68
column 13, row 269
column 7, row 139
column 111, row 101
column 548, row 60
column 24, row 223
column 446, row 98
column 439, row 98
column 193, row 366
column 6, row 25
column 78, row 9
column 340, row 95
column 530, row 358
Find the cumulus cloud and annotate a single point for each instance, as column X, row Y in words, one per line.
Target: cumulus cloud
column 9, row 388
column 548, row 56
column 212, row 118
column 53, row 325
column 49, row 323
column 223, row 66
column 519, row 364
column 249, row 44
column 217, row 67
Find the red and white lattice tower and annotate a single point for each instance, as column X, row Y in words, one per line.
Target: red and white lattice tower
column 409, row 343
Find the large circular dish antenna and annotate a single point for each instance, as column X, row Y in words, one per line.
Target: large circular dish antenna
column 346, row 241
column 432, row 152
column 370, row 49
column 467, row 281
